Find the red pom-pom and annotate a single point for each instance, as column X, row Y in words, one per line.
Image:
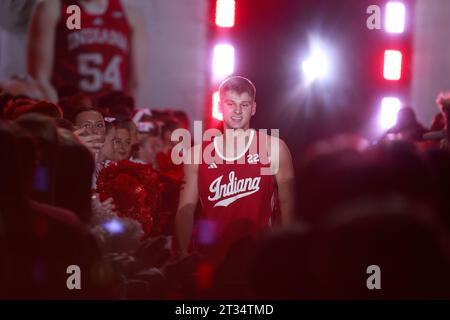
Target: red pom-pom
column 136, row 191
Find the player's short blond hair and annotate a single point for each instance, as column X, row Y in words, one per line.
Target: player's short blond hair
column 238, row 84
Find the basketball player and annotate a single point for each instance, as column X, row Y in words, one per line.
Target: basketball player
column 237, row 199
column 107, row 53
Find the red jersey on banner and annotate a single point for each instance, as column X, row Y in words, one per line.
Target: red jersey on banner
column 237, row 199
column 96, row 58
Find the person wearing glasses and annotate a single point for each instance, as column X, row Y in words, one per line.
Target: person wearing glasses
column 122, row 141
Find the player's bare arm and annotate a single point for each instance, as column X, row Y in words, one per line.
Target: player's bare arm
column 40, row 48
column 285, row 178
column 184, row 219
column 139, row 49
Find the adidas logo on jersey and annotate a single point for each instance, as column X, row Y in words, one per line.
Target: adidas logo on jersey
column 212, row 166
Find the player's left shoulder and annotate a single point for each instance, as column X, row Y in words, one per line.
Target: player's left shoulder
column 274, row 143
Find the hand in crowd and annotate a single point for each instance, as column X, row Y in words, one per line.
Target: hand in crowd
column 154, row 252
column 103, row 208
column 151, row 271
column 181, row 270
column 124, row 262
column 89, row 141
column 26, row 86
column 443, row 101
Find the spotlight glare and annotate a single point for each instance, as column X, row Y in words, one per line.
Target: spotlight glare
column 316, row 66
column 114, row 226
column 225, row 12
column 392, row 65
column 388, row 114
column 216, row 114
column 223, row 61
column 395, row 17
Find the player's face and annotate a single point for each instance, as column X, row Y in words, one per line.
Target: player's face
column 93, row 122
column 237, row 109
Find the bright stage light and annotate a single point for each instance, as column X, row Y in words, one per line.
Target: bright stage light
column 388, row 114
column 316, row 67
column 114, row 226
column 225, row 12
column 215, row 107
column 392, row 65
column 223, row 61
column 395, row 17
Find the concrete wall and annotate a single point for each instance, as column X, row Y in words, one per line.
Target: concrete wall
column 431, row 56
